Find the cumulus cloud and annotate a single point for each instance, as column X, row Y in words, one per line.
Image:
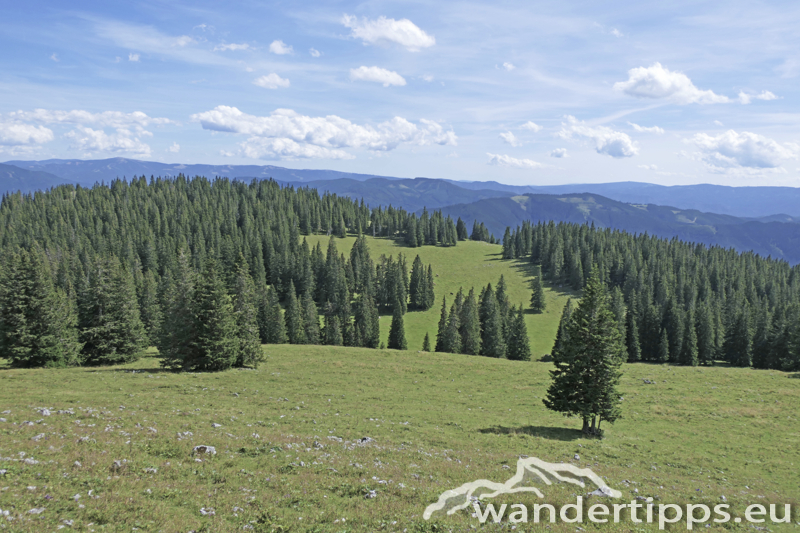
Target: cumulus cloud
column 508, row 161
column 231, row 46
column 91, row 141
column 133, row 57
column 280, row 48
column 175, row 148
column 508, row 66
column 261, row 148
column 314, row 52
column 745, row 98
column 19, row 134
column 732, row 150
column 658, row 82
column 510, row 138
column 402, row 32
column 331, row 132
column 643, row 129
column 377, row 74
column 111, row 119
column 559, row 153
column 271, row 81
column 531, row 126
column 607, row 141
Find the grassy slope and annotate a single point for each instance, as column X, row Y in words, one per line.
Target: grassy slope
column 469, row 264
column 438, row 421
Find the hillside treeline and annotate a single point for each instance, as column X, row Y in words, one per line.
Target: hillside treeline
column 114, row 268
column 676, row 302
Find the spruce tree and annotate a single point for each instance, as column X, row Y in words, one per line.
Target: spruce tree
column 561, row 333
column 470, row 325
column 538, row 303
column 310, row 318
column 426, row 343
column 451, row 343
column 179, row 330
column 689, row 350
column 518, row 348
column 663, row 348
column 333, row 330
column 149, row 307
column 245, row 309
column 295, row 327
column 271, row 323
column 416, row 285
column 493, row 343
column 111, row 328
column 588, row 363
column 397, row 335
column 442, row 326
column 37, row 320
column 217, row 343
column 430, row 296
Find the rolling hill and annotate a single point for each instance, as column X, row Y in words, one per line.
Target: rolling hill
column 14, row 178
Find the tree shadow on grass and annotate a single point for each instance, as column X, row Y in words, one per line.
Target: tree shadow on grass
column 794, row 376
column 551, row 433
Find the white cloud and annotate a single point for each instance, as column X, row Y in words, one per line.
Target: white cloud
column 133, row 57
column 175, row 148
column 508, row 66
column 508, row 161
column 643, row 129
column 314, row 52
column 402, row 32
column 283, row 148
column 658, row 82
column 231, row 46
column 718, row 123
column 20, row 134
column 427, row 77
column 280, row 48
column 325, row 132
column 92, row 141
column 648, row 167
column 732, row 150
column 510, row 138
column 271, row 81
column 607, row 141
column 745, row 98
column 377, row 74
column 112, row 119
column 54, row 57
column 559, row 153
column 531, row 126
column 616, row 33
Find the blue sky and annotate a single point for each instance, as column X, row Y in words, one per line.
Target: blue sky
column 517, row 92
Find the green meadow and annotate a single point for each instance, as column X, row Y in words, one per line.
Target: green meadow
column 289, row 457
column 467, row 265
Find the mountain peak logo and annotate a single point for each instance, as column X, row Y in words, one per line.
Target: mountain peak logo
column 529, row 469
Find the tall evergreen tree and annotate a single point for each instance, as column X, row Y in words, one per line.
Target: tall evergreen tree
column 245, row 310
column 470, row 325
column 179, row 330
column 416, row 286
column 440, row 331
column 217, row 345
column 493, row 343
column 426, row 343
column 588, row 363
column 538, row 303
column 149, row 307
column 271, row 324
column 110, row 325
column 310, row 318
column 451, row 342
column 37, row 320
column 518, row 348
column 397, row 335
column 295, row 326
column 430, row 296
column 562, row 333
column 689, row 351
column 333, row 330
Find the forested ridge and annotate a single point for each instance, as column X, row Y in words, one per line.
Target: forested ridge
column 674, row 301
column 137, row 263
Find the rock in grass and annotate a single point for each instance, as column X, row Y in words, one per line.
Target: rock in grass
column 204, row 449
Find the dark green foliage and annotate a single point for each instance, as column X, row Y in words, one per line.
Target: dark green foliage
column 179, row 330
column 442, row 326
column 420, row 293
column 426, row 343
column 397, row 334
column 310, row 318
column 588, row 361
column 538, row 303
column 663, row 347
column 451, row 340
column 111, row 328
column 245, row 309
column 738, row 347
column 562, row 334
column 689, row 351
column 37, row 321
column 470, row 325
column 518, row 348
column 333, row 331
column 149, row 306
column 295, row 325
column 217, row 345
column 493, row 342
column 271, row 323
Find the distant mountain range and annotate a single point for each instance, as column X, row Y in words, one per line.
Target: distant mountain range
column 762, row 219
